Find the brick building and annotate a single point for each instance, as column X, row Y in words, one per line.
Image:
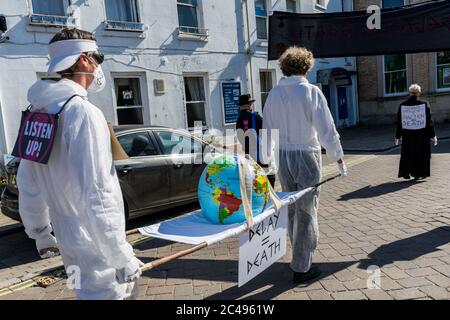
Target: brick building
column 384, row 80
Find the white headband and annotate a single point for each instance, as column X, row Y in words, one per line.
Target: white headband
column 64, row 54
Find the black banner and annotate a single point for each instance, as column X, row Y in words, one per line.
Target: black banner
column 416, row 28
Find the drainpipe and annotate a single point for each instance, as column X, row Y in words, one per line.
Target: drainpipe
column 248, row 45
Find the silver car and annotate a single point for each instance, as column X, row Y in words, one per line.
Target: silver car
column 162, row 172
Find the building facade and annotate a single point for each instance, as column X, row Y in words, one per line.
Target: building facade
column 167, row 62
column 384, row 80
column 336, row 76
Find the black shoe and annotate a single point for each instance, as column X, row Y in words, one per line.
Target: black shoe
column 302, row 277
column 407, row 177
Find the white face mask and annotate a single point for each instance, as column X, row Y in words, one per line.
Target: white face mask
column 99, row 82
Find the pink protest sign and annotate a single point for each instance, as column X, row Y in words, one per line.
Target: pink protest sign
column 36, row 136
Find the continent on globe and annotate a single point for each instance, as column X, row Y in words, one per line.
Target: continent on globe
column 227, row 202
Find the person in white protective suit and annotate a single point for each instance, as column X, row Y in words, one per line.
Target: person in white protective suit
column 78, row 192
column 299, row 111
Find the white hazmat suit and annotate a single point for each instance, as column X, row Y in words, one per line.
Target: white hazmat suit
column 300, row 112
column 79, row 193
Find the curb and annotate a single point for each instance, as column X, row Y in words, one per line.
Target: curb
column 32, row 280
column 6, row 231
column 383, row 149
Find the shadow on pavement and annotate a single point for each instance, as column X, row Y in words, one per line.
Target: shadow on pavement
column 376, row 191
column 408, row 249
column 278, row 278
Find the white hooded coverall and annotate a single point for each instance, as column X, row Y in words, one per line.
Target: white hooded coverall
column 78, row 192
column 300, row 112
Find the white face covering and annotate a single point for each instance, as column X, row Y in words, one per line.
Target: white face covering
column 99, row 82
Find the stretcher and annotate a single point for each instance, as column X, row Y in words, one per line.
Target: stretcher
column 196, row 230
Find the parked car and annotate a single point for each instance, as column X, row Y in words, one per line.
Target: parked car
column 158, row 175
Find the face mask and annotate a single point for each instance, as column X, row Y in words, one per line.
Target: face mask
column 99, row 82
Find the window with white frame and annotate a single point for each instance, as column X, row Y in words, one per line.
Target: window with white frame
column 291, row 6
column 50, row 7
column 443, row 69
column 194, row 87
column 261, row 19
column 52, row 13
column 395, row 70
column 122, row 10
column 266, row 84
column 395, row 74
column 321, row 3
column 188, row 17
column 130, row 109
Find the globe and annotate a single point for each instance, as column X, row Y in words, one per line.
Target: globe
column 219, row 190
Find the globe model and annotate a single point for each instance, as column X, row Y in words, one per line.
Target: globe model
column 219, row 190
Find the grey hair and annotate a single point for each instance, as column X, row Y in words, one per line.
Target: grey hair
column 415, row 88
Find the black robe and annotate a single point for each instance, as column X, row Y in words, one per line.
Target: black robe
column 416, row 144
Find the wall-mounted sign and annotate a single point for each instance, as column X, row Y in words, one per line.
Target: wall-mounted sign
column 231, row 90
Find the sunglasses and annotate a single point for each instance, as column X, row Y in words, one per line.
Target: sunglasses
column 99, row 57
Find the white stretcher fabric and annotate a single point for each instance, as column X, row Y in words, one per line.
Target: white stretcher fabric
column 196, row 228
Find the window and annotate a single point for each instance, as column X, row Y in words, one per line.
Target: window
column 291, row 6
column 122, row 10
column 175, row 143
column 51, row 13
column 395, row 76
column 395, row 80
column 188, row 16
column 321, row 3
column 50, row 7
column 266, row 84
column 129, row 101
column 138, row 145
column 261, row 19
column 393, row 3
column 443, row 70
column 195, row 100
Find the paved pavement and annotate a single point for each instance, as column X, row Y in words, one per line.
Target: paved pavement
column 370, row 218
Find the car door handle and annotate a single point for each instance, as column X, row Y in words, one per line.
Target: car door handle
column 178, row 165
column 126, row 170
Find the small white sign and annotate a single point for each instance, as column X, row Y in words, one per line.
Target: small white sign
column 414, row 117
column 262, row 246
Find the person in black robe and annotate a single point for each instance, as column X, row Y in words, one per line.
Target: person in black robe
column 248, row 120
column 416, row 130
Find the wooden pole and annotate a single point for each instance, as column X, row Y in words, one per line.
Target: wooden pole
column 157, row 263
column 133, row 231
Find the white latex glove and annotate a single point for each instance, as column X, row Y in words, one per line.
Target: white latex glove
column 342, row 169
column 49, row 253
column 434, row 141
column 131, row 272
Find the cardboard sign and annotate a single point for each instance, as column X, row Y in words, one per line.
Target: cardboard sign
column 414, row 117
column 262, row 246
column 36, row 136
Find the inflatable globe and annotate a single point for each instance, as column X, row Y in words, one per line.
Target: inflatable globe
column 219, row 190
